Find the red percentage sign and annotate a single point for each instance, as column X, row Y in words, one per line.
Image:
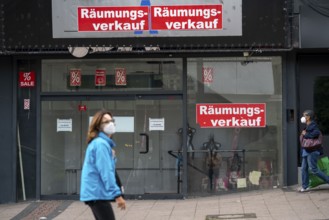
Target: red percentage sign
column 208, row 74
column 27, row 76
column 121, row 78
column 75, row 74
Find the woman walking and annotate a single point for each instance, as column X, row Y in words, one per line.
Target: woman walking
column 98, row 182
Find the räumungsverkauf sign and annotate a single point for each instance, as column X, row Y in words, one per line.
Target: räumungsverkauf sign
column 223, row 115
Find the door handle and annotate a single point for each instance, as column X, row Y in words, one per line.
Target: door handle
column 147, row 143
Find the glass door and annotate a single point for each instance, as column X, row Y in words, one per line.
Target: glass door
column 146, row 130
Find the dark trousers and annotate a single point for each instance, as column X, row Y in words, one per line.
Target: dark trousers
column 101, row 209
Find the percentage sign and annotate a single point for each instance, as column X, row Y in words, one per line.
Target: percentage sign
column 27, row 76
column 207, row 74
column 120, row 76
column 75, row 77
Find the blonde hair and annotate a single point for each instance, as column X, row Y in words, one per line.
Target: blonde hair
column 95, row 125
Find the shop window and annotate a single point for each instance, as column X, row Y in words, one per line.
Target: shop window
column 233, row 158
column 110, row 74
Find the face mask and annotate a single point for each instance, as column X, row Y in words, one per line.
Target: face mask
column 109, row 128
column 303, row 120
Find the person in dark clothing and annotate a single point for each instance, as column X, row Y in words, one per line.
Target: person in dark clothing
column 310, row 157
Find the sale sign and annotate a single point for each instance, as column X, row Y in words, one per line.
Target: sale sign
column 120, row 77
column 207, row 74
column 232, row 115
column 113, row 18
column 26, row 79
column 75, row 77
column 187, row 17
column 100, row 77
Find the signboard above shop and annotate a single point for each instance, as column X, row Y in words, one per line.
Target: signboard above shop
column 143, row 24
column 146, row 18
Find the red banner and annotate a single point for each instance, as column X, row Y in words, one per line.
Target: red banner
column 26, row 79
column 175, row 17
column 217, row 115
column 187, row 17
column 100, row 77
column 207, row 74
column 75, row 77
column 120, row 77
column 113, row 18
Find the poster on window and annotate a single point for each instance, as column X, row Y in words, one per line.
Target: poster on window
column 26, row 79
column 75, row 77
column 207, row 74
column 100, row 77
column 64, row 125
column 120, row 77
column 231, row 115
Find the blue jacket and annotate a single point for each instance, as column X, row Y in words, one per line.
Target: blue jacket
column 98, row 171
column 312, row 131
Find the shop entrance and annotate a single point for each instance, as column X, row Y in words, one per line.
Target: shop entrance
column 146, row 130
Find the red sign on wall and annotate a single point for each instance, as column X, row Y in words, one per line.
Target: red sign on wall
column 217, row 115
column 100, row 77
column 82, row 108
column 26, row 79
column 120, row 77
column 75, row 77
column 26, row 104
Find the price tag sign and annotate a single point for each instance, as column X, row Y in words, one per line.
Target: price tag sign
column 75, row 77
column 26, row 79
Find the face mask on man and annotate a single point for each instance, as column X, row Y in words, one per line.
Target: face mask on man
column 303, row 120
column 109, row 128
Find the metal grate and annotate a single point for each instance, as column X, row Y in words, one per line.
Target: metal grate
column 231, row 216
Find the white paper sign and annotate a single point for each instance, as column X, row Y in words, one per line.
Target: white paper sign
column 64, row 125
column 156, row 124
column 241, row 183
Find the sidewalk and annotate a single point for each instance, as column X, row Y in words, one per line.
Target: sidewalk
column 267, row 204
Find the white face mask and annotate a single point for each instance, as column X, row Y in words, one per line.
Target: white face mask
column 303, row 120
column 109, row 128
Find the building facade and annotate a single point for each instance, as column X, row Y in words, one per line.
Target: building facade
column 206, row 96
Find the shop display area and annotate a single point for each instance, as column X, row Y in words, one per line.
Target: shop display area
column 213, row 168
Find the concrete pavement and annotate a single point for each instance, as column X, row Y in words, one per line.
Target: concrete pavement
column 271, row 204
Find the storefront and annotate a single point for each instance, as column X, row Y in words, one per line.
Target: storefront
column 151, row 100
column 197, row 112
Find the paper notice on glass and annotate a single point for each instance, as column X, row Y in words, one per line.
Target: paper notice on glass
column 64, row 125
column 241, row 183
column 254, row 177
column 156, row 124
